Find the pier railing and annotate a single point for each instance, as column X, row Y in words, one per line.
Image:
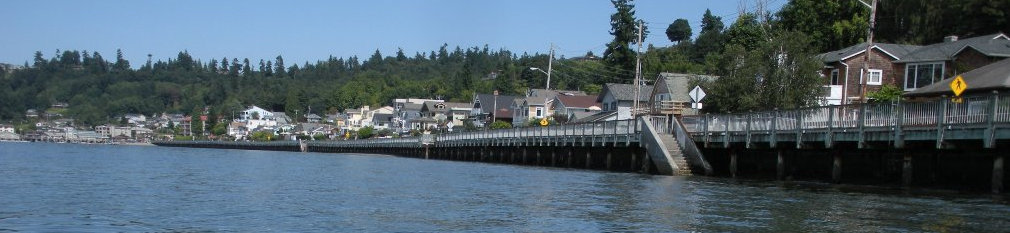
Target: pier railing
column 983, row 111
column 623, row 128
column 626, row 130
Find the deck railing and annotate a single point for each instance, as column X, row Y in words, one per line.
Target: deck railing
column 967, row 111
column 604, row 128
column 620, row 128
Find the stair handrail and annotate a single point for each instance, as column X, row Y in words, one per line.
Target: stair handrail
column 688, row 147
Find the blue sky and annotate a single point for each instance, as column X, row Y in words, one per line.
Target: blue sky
column 314, row 30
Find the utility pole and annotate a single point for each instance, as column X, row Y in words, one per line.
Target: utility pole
column 869, row 45
column 550, row 62
column 638, row 70
column 494, row 112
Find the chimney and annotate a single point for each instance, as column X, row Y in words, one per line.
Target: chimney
column 949, row 39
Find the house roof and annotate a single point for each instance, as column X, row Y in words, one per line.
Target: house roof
column 383, row 117
column 537, row 100
column 995, row 76
column 625, row 92
column 282, row 118
column 433, row 106
column 313, row 115
column 994, row 45
column 487, row 103
column 896, row 51
column 678, row 85
column 575, row 115
column 412, row 107
column 599, row 116
column 583, row 101
column 552, row 93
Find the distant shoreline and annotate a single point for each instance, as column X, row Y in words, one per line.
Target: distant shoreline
column 85, row 143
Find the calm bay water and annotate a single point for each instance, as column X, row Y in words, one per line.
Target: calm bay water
column 101, row 188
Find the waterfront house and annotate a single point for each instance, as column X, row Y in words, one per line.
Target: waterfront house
column 313, row 118
column 406, row 113
column 905, row 66
column 573, row 107
column 843, row 70
column 313, row 129
column 87, row 137
column 135, row 119
column 355, row 116
column 6, row 128
column 281, row 118
column 383, row 120
column 254, row 113
column 445, row 112
column 237, row 129
column 934, row 62
column 670, row 94
column 981, row 81
column 186, row 124
column 620, row 98
column 336, row 119
column 529, row 108
column 537, row 105
column 487, row 106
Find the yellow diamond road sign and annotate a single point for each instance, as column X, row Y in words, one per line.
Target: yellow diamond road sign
column 543, row 121
column 958, row 85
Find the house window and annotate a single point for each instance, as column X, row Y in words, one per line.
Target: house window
column 834, row 77
column 875, row 77
column 920, row 75
column 540, row 112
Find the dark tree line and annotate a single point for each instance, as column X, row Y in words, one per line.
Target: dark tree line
column 99, row 90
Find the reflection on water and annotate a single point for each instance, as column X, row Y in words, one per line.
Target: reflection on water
column 65, row 187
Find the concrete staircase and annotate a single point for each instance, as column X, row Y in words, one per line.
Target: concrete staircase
column 677, row 157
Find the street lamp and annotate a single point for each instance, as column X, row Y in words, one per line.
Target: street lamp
column 548, row 73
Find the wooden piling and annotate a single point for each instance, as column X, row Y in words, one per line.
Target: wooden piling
column 732, row 163
column 906, row 170
column 997, row 174
column 836, row 167
column 780, row 165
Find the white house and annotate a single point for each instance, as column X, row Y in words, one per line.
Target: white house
column 6, row 129
column 256, row 117
column 620, row 98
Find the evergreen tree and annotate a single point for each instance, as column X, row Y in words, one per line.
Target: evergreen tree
column 279, row 67
column 619, row 56
column 246, row 68
column 235, row 67
column 710, row 39
column 122, row 64
column 224, row 64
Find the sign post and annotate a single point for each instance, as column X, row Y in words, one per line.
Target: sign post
column 696, row 94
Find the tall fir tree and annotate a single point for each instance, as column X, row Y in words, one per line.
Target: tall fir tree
column 619, row 57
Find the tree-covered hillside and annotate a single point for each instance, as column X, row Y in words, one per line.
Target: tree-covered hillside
column 98, row 89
